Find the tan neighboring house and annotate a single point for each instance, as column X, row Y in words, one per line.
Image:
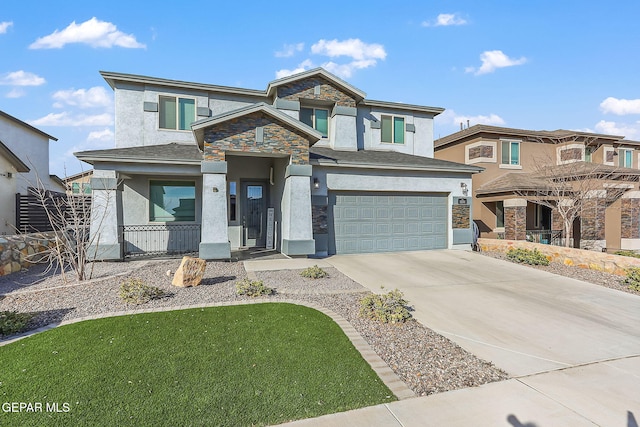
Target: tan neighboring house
column 79, row 183
column 504, row 200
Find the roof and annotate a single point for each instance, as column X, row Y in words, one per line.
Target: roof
column 78, row 175
column 399, row 106
column 168, row 153
column 199, row 126
column 511, row 182
column 359, row 95
column 26, row 125
column 385, row 159
column 553, row 136
column 13, row 159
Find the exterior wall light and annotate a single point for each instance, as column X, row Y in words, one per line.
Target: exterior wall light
column 316, row 183
column 465, row 189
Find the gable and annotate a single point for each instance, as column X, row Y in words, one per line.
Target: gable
column 315, row 88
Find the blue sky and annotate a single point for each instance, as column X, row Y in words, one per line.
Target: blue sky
column 534, row 65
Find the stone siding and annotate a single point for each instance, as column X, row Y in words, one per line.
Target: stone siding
column 305, row 89
column 239, row 135
column 20, row 251
column 592, row 219
column 630, row 216
column 481, row 151
column 593, row 260
column 461, row 216
column 319, row 219
column 571, row 154
column 515, row 222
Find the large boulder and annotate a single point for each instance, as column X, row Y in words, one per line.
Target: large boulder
column 190, row 272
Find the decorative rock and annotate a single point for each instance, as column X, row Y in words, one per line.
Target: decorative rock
column 190, row 272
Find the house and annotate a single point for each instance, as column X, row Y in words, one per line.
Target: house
column 308, row 166
column 507, row 201
column 79, row 183
column 24, row 163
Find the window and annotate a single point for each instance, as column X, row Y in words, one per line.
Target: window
column 75, row 188
column 392, row 129
column 588, row 151
column 500, row 214
column 510, row 153
column 317, row 118
column 177, row 113
column 232, row 200
column 172, row 201
column 86, row 188
column 625, row 159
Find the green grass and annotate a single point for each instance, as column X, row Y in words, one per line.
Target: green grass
column 244, row 365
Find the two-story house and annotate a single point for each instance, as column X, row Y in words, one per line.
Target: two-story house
column 517, row 162
column 308, row 166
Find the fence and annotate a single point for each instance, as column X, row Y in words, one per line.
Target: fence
column 31, row 209
column 162, row 239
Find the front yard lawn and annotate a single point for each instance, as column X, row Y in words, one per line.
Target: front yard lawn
column 242, row 365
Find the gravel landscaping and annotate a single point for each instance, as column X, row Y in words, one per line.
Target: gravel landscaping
column 426, row 361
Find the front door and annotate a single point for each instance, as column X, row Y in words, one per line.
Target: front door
column 254, row 213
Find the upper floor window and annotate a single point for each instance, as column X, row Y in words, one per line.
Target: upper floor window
column 510, row 153
column 588, row 151
column 176, row 113
column 172, row 201
column 625, row 158
column 392, row 129
column 317, row 118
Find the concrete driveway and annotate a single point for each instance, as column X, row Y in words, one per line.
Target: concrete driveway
column 525, row 321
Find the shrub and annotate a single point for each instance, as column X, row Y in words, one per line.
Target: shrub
column 253, row 288
column 386, row 308
column 135, row 291
column 628, row 253
column 633, row 278
column 12, row 322
column 526, row 256
column 314, row 272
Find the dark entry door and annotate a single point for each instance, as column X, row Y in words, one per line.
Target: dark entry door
column 254, row 213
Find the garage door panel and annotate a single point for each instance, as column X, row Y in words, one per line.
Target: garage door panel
column 374, row 222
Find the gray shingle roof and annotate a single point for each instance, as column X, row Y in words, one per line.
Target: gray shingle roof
column 168, row 153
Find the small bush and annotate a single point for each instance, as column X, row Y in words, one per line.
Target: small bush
column 386, row 308
column 314, row 272
column 12, row 322
column 633, row 278
column 135, row 291
column 526, row 256
column 253, row 288
column 628, row 253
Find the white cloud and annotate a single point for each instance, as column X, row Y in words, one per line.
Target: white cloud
column 16, row 92
column 353, row 48
column 101, row 135
column 445, row 20
column 303, row 66
column 620, row 106
column 21, row 78
column 4, row 26
column 492, row 60
column 629, row 131
column 93, row 32
column 96, row 96
column 66, row 119
column 450, row 117
column 288, row 50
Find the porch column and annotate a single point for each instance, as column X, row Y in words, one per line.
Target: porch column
column 592, row 220
column 297, row 229
column 515, row 219
column 105, row 244
column 214, row 241
column 630, row 218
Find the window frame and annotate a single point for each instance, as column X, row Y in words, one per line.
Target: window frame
column 233, row 213
column 177, row 99
column 313, row 118
column 510, row 143
column 500, row 218
column 393, row 119
column 622, row 157
column 152, row 219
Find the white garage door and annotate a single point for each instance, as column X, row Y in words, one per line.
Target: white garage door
column 387, row 222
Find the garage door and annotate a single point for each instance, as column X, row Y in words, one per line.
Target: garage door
column 387, row 222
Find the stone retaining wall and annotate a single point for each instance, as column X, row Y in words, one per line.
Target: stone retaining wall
column 593, row 260
column 19, row 251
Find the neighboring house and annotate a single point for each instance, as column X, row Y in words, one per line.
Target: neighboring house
column 504, row 202
column 308, row 166
column 79, row 183
column 31, row 145
column 10, row 167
